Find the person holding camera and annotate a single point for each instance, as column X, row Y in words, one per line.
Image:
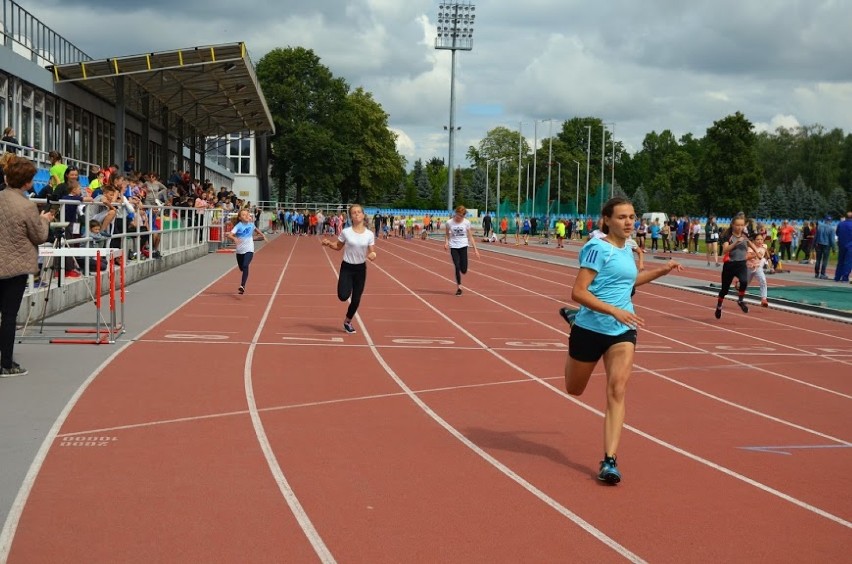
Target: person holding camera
column 22, row 229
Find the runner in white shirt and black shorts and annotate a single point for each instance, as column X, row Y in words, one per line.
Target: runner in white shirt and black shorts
column 458, row 237
column 359, row 246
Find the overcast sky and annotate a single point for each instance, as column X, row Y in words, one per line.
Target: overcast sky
column 646, row 66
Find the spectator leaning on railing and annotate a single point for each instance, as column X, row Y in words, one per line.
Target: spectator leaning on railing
column 22, row 229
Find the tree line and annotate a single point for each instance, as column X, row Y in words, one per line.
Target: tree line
column 332, row 143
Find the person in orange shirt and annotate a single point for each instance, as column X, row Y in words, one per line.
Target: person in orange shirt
column 312, row 222
column 504, row 229
column 785, row 237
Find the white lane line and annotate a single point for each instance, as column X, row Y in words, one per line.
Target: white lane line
column 508, row 472
column 724, row 356
column 7, row 535
column 278, row 408
column 652, row 438
column 299, row 512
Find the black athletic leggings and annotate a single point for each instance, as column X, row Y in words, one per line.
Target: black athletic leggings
column 460, row 262
column 243, row 262
column 730, row 270
column 351, row 283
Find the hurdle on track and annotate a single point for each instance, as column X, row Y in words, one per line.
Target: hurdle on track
column 106, row 328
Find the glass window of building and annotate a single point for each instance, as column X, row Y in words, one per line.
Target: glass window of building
column 3, row 82
column 38, row 122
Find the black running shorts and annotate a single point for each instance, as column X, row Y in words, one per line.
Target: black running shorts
column 589, row 346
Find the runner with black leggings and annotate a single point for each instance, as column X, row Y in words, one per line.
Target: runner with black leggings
column 358, row 244
column 735, row 246
column 458, row 237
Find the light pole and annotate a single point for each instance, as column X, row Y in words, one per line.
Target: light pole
column 612, row 140
column 603, row 154
column 487, row 162
column 549, row 164
column 499, row 162
column 535, row 160
column 559, row 191
column 577, row 201
column 455, row 32
column 588, row 164
column 520, row 148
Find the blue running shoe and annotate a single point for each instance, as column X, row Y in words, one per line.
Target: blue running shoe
column 609, row 471
column 568, row 314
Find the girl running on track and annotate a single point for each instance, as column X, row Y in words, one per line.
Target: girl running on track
column 458, row 237
column 755, row 260
column 243, row 236
column 359, row 246
column 606, row 324
column 735, row 246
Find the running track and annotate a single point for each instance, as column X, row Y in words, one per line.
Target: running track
column 439, row 431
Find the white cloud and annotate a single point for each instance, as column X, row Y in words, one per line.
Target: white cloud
column 649, row 66
column 785, row 121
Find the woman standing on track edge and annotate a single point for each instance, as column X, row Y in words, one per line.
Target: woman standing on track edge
column 606, row 324
column 359, row 245
column 243, row 236
column 735, row 247
column 458, row 237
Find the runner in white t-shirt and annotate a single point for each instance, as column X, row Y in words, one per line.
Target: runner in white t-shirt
column 359, row 246
column 243, row 236
column 458, row 237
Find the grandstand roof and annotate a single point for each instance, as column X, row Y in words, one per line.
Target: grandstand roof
column 214, row 89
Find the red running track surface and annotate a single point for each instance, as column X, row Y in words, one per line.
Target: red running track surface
column 252, row 429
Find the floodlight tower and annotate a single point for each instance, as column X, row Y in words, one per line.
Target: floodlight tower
column 455, row 33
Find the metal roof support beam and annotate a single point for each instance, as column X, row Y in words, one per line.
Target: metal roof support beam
column 164, row 149
column 145, row 158
column 192, row 153
column 120, row 125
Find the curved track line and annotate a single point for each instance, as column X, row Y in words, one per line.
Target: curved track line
column 299, row 512
column 7, row 536
column 710, row 325
column 652, row 438
column 502, row 468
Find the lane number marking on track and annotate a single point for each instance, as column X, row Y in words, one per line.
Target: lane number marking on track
column 418, row 341
column 197, row 337
column 315, row 339
column 537, row 344
column 736, row 348
column 86, row 441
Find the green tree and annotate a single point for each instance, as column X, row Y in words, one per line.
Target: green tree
column 730, row 175
column 499, row 143
column 421, row 181
column 436, row 171
column 836, row 203
column 640, row 201
column 374, row 163
column 306, row 102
